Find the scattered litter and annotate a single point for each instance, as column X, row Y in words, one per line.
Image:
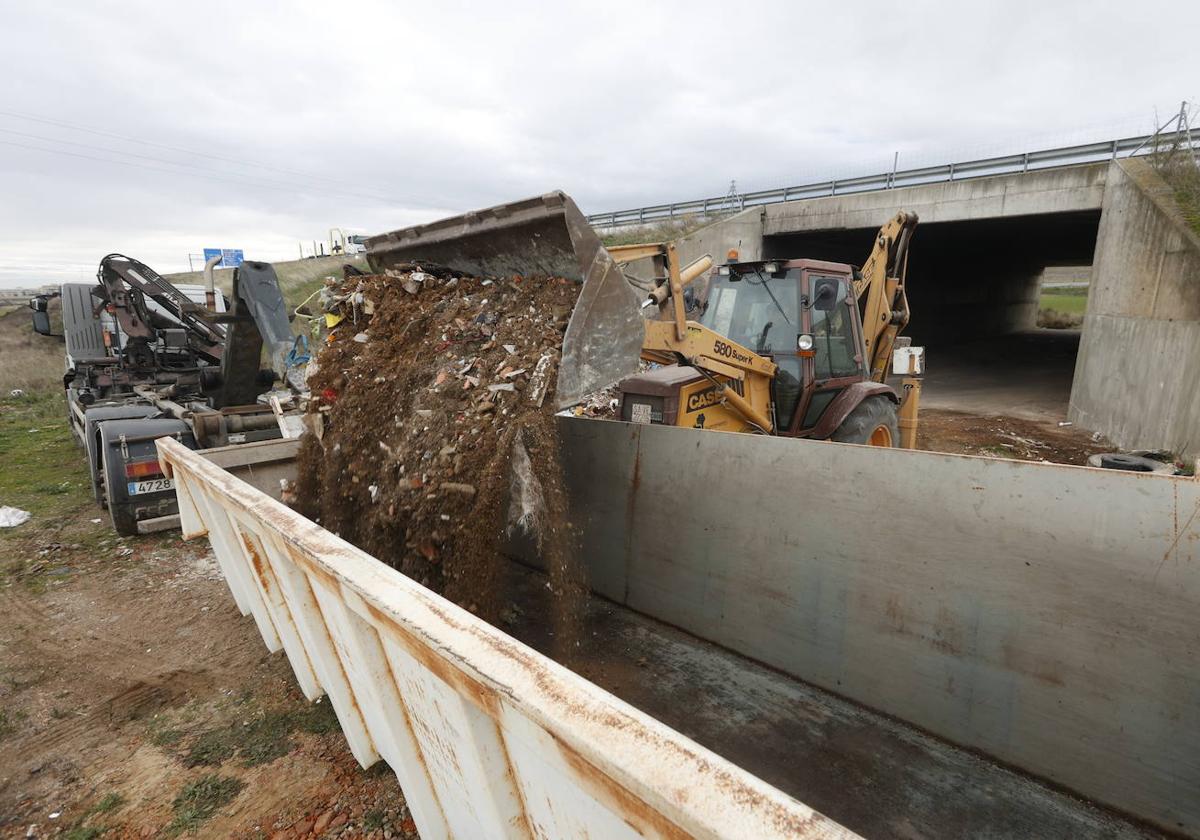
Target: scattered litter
column 1063, row 423
column 16, row 392
column 11, row 517
column 361, row 338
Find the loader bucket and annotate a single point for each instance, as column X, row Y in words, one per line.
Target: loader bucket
column 542, row 236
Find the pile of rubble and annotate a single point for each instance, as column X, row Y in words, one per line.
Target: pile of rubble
column 432, row 406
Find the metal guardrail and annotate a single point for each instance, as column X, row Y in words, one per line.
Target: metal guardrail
column 1004, row 165
column 487, row 737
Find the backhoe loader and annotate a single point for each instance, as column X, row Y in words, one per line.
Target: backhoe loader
column 798, row 347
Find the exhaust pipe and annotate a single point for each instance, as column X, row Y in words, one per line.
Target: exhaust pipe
column 210, row 283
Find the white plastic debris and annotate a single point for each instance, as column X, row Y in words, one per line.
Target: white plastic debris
column 11, row 517
column 361, row 338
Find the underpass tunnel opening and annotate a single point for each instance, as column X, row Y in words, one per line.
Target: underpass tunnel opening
column 973, row 288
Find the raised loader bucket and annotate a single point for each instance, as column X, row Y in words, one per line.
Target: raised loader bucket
column 542, row 236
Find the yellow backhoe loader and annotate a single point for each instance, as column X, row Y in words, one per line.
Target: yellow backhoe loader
column 798, row 347
column 791, row 347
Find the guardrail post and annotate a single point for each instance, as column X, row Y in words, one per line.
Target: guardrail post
column 1114, row 149
column 833, row 187
column 951, row 172
column 1025, row 162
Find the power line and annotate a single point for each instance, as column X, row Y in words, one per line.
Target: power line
column 219, row 172
column 310, row 191
column 144, row 142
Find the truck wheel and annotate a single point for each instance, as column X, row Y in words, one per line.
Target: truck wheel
column 124, row 519
column 873, row 422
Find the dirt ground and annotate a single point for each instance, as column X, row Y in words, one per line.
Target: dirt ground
column 130, row 680
column 998, row 436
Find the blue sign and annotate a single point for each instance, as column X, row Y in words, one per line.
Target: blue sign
column 230, row 257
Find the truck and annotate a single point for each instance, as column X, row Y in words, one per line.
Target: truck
column 796, row 637
column 145, row 358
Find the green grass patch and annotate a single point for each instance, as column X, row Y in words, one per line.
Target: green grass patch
column 1074, row 304
column 260, row 740
column 9, row 721
column 108, row 802
column 85, row 832
column 201, row 799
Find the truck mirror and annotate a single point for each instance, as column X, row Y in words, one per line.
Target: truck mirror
column 41, row 322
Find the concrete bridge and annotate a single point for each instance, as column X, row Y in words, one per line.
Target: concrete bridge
column 975, row 269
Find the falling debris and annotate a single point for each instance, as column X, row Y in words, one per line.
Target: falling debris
column 417, row 427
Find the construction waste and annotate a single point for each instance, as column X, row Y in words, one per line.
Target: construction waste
column 432, row 408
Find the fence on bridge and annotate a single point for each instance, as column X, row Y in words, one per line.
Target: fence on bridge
column 962, row 170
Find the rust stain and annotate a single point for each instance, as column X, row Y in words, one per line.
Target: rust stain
column 645, row 819
column 408, row 725
column 1179, row 532
column 458, row 680
column 256, row 560
column 630, row 510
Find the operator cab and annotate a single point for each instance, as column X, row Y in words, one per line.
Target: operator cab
column 801, row 314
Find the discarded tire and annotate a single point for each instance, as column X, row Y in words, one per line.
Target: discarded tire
column 1129, row 463
column 873, row 423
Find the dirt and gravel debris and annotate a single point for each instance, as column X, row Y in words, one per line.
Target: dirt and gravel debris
column 434, row 402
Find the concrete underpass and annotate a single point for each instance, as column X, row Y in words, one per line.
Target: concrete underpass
column 973, row 289
column 973, row 285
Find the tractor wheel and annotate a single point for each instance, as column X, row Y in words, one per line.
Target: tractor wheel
column 873, row 422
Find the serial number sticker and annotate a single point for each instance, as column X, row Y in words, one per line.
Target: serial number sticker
column 640, row 413
column 154, row 485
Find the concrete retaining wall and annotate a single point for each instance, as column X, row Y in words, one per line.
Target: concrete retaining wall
column 1139, row 360
column 1046, row 615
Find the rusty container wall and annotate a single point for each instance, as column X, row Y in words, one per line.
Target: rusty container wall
column 1046, row 615
column 487, row 737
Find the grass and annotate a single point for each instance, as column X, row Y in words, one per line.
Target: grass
column 28, row 361
column 1065, row 300
column 45, row 474
column 1179, row 167
column 262, row 739
column 297, row 279
column 658, row 232
column 9, row 721
column 201, row 799
column 1062, row 307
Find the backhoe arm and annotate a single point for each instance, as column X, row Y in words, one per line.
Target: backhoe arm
column 880, row 288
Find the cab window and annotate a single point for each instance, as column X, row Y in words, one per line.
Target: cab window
column 834, row 341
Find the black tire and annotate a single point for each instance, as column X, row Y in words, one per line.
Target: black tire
column 124, row 519
column 868, row 420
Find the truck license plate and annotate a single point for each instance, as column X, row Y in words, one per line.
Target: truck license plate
column 154, row 485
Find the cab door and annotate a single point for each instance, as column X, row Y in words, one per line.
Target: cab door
column 836, row 360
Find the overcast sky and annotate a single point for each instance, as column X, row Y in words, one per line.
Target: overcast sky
column 263, row 125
